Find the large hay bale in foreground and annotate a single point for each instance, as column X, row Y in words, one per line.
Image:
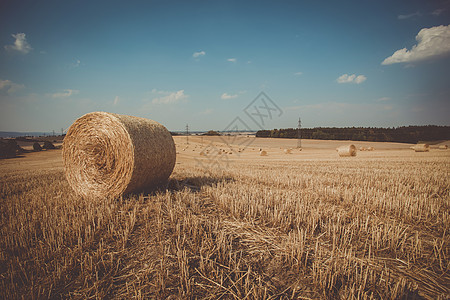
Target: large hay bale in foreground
column 106, row 155
column 347, row 150
column 421, row 148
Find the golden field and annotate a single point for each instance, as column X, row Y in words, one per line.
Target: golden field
column 306, row 225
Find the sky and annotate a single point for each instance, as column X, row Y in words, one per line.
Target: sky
column 205, row 63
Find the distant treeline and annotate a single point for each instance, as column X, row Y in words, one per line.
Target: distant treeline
column 405, row 134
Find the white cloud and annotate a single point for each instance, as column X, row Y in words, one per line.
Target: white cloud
column 116, row 100
column 345, row 78
column 198, row 54
column 298, row 73
column 233, row 60
column 170, row 97
column 65, row 94
column 404, row 17
column 384, row 99
column 20, row 44
column 9, row 86
column 431, row 42
column 226, row 96
column 360, row 79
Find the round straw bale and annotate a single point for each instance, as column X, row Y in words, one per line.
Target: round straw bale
column 263, row 153
column 443, row 147
column 362, row 149
column 37, row 146
column 288, row 151
column 421, row 148
column 347, row 150
column 370, row 148
column 106, row 154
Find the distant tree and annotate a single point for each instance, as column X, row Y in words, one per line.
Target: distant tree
column 211, row 133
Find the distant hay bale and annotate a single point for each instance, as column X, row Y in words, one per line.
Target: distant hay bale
column 347, row 150
column 107, row 155
column 362, row 149
column 443, row 147
column 421, row 148
column 48, row 145
column 288, row 151
column 300, row 149
column 370, row 148
column 37, row 147
column 263, row 153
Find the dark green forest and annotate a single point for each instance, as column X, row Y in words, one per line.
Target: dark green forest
column 404, row 134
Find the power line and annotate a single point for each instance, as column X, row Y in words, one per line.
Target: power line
column 187, row 134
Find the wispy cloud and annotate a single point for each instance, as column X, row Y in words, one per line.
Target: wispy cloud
column 75, row 64
column 431, row 43
column 198, row 54
column 298, row 73
column 65, row 94
column 226, row 96
column 438, row 11
column 345, row 78
column 116, row 100
column 20, row 44
column 408, row 16
column 207, row 111
column 233, row 60
column 384, row 99
column 10, row 87
column 169, row 97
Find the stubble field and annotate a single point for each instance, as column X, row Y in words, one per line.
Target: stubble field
column 306, row 225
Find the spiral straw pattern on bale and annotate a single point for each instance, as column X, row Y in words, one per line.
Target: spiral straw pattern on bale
column 348, row 150
column 107, row 155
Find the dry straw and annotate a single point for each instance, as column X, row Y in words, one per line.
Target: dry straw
column 106, row 155
column 288, row 151
column 347, row 150
column 421, row 148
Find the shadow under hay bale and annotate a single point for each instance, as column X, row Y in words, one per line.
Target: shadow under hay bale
column 347, row 150
column 421, row 148
column 106, row 155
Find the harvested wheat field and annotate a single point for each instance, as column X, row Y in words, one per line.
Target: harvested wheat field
column 235, row 225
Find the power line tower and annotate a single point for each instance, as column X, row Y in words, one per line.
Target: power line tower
column 299, row 133
column 187, row 134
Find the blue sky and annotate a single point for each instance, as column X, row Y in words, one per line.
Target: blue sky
column 332, row 63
